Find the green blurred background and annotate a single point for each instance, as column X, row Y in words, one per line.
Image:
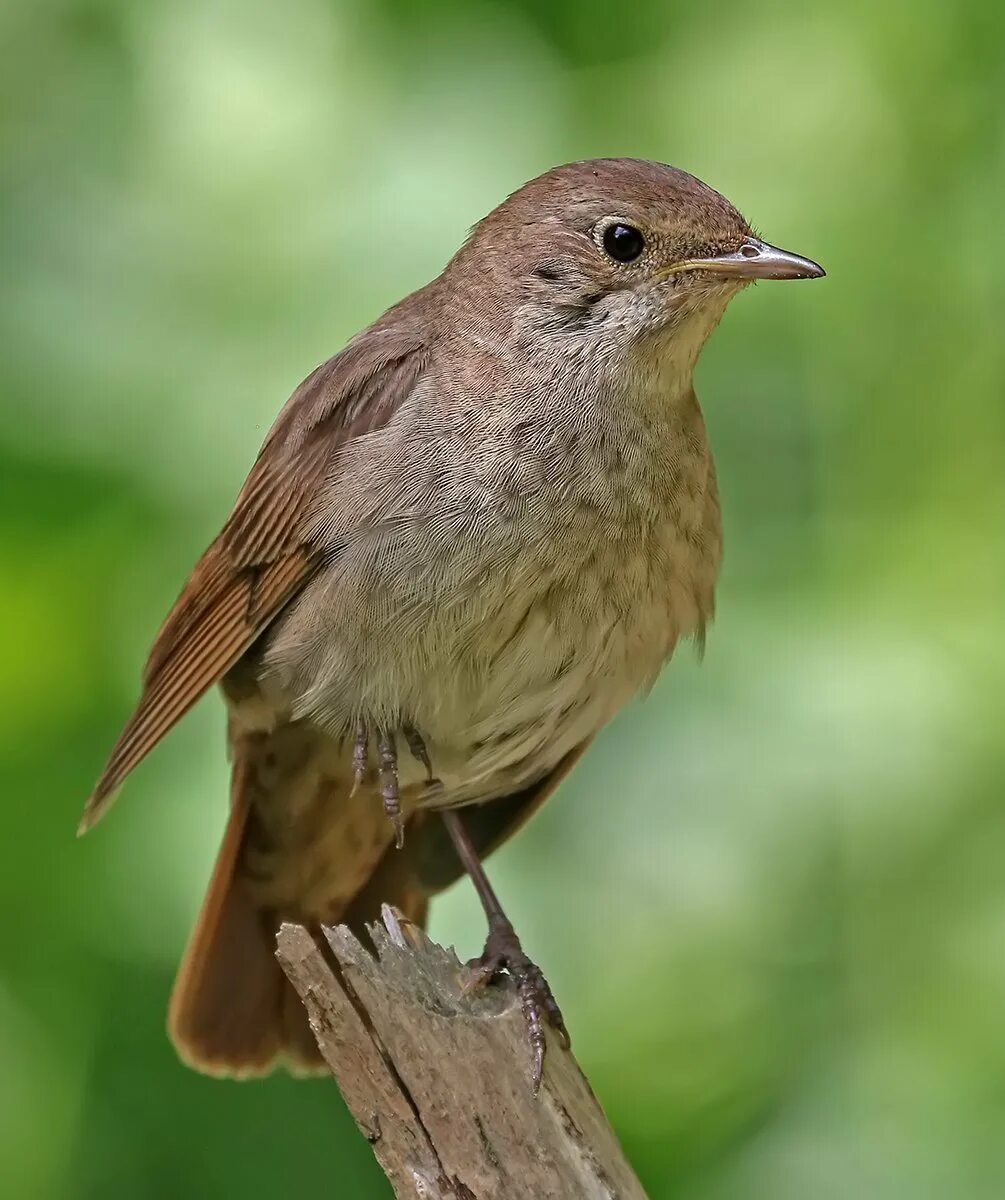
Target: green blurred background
column 772, row 900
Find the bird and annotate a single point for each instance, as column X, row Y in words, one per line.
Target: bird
column 471, row 537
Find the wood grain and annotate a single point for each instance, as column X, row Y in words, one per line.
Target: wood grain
column 438, row 1078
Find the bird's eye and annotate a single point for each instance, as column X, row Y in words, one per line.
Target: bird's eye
column 622, row 242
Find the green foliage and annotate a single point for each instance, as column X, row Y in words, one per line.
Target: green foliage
column 772, row 899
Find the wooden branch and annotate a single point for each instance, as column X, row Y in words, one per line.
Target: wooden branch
column 439, row 1079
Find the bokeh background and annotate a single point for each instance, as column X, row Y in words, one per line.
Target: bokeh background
column 772, row 899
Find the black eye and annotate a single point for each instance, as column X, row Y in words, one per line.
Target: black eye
column 623, row 242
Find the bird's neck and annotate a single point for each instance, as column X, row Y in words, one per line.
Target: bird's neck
column 671, row 352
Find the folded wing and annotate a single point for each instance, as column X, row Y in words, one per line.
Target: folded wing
column 264, row 554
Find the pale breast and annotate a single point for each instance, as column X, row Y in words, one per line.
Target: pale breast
column 509, row 601
column 564, row 653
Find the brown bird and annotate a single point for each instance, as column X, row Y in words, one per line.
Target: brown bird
column 470, row 538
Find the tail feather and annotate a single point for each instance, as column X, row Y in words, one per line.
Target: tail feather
column 233, row 1012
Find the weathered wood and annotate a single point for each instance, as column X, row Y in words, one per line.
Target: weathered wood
column 439, row 1078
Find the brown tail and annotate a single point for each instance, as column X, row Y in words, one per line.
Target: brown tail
column 231, row 1009
column 233, row 1013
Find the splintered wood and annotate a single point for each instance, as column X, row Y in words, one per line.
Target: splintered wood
column 438, row 1078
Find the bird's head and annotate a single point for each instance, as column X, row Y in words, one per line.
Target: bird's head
column 618, row 250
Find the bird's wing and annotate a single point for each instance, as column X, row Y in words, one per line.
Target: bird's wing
column 264, row 554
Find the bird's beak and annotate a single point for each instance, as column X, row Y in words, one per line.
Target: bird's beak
column 756, row 260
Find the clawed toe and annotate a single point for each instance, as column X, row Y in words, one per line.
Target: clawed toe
column 503, row 952
column 387, row 768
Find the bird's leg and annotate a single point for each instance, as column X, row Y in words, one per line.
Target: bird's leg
column 387, row 760
column 503, row 952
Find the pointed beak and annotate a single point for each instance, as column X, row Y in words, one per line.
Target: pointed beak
column 757, row 260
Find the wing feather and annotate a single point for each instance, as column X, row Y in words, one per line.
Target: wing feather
column 264, row 556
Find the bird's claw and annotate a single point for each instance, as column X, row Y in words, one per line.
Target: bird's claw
column 503, row 952
column 387, row 768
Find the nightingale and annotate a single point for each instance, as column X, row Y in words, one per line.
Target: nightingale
column 470, row 538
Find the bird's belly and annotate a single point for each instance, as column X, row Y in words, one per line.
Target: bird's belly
column 506, row 661
column 547, row 676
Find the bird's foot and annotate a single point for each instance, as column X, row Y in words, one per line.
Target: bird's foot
column 503, row 952
column 387, row 768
